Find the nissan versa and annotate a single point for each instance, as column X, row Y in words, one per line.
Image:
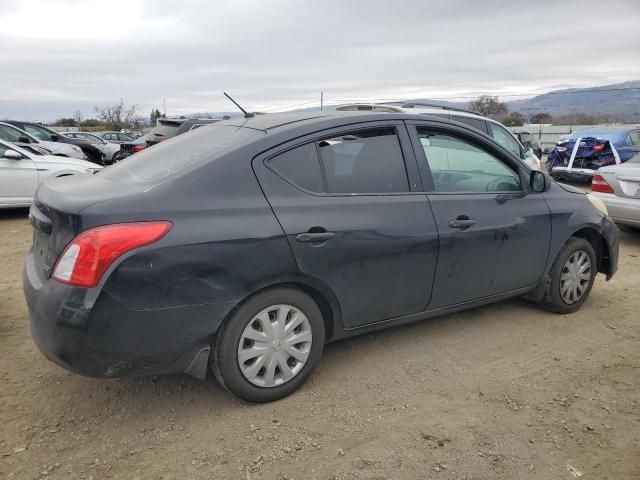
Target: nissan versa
column 246, row 245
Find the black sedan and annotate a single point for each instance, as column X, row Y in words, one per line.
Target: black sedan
column 244, row 246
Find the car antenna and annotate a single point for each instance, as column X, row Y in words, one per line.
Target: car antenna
column 246, row 114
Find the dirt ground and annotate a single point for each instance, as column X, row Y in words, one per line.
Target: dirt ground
column 506, row 391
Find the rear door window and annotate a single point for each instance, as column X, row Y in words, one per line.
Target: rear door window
column 300, row 166
column 476, row 123
column 364, row 161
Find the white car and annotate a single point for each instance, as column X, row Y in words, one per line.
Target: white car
column 11, row 133
column 22, row 171
column 618, row 186
column 110, row 150
column 488, row 126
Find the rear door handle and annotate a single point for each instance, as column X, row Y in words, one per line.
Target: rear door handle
column 462, row 224
column 315, row 237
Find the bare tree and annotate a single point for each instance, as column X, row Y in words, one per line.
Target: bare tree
column 77, row 116
column 117, row 116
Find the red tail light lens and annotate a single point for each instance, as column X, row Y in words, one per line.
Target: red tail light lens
column 84, row 261
column 137, row 148
column 598, row 148
column 599, row 184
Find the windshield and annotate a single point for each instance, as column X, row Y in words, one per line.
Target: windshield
column 180, row 154
column 635, row 159
column 604, row 134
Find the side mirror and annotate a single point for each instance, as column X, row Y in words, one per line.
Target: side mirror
column 12, row 155
column 54, row 137
column 24, row 139
column 539, row 181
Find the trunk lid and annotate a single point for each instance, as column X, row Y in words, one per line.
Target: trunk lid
column 56, row 213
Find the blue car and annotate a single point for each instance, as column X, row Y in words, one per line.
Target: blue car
column 598, row 147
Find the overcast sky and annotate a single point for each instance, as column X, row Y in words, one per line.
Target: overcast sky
column 57, row 57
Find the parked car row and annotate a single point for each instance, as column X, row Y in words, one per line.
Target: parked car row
column 165, row 129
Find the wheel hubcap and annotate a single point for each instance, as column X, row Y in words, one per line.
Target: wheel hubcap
column 274, row 346
column 575, row 277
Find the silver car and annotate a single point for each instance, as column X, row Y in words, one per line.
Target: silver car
column 13, row 134
column 110, row 150
column 618, row 186
column 21, row 171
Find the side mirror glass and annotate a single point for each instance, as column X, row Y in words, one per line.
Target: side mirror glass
column 539, row 181
column 12, row 155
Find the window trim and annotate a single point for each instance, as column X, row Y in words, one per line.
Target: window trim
column 414, row 179
column 474, row 139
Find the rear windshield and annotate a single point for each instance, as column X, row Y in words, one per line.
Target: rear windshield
column 180, row 154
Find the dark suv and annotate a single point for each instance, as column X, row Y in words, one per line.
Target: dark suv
column 245, row 246
column 165, row 129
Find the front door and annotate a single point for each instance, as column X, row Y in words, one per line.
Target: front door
column 355, row 219
column 494, row 233
column 18, row 178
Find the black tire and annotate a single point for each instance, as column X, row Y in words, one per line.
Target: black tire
column 553, row 299
column 224, row 360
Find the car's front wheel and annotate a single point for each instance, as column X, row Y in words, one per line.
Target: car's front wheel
column 269, row 346
column 571, row 276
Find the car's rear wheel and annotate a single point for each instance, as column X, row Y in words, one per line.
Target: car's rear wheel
column 269, row 346
column 571, row 276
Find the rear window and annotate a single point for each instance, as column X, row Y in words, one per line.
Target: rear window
column 180, row 154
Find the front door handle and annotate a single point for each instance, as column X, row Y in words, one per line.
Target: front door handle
column 462, row 223
column 315, row 237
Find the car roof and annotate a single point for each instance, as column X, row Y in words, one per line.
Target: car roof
column 290, row 120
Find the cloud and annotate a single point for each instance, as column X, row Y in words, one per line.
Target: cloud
column 61, row 56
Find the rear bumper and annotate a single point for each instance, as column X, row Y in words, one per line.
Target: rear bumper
column 623, row 210
column 87, row 331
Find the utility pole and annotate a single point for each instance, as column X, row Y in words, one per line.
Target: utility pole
column 321, row 100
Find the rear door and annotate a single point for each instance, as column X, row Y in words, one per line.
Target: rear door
column 494, row 233
column 355, row 217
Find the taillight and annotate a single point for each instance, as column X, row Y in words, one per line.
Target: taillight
column 84, row 261
column 598, row 148
column 599, row 184
column 137, row 148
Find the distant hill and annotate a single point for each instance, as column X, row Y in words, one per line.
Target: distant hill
column 620, row 100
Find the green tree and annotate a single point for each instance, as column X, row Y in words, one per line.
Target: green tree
column 489, row 106
column 542, row 117
column 514, row 119
column 65, row 122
